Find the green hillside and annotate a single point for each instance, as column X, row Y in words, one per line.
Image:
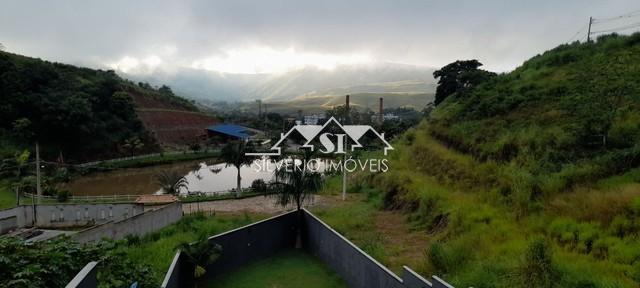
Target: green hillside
column 78, row 112
column 569, row 115
column 532, row 178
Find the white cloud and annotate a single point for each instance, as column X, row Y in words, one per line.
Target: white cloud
column 134, row 65
column 263, row 59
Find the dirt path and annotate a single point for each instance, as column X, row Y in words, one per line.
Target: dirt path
column 259, row 204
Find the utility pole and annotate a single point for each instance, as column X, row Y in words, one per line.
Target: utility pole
column 38, row 186
column 589, row 31
column 344, row 172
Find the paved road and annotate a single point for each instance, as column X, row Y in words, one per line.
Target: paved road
column 259, row 204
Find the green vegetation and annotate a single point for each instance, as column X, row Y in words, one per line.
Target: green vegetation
column 55, row 262
column 156, row 250
column 77, row 113
column 7, row 195
column 529, row 179
column 287, row 269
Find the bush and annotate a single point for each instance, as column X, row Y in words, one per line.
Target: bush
column 63, row 195
column 259, row 186
column 537, row 269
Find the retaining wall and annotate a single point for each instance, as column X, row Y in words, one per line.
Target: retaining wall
column 268, row 237
column 86, row 278
column 357, row 268
column 139, row 224
column 16, row 217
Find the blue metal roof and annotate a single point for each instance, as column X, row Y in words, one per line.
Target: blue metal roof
column 230, row 129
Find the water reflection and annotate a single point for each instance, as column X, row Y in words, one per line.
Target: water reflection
column 202, row 177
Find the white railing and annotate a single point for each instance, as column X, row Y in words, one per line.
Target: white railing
column 87, row 198
column 170, row 153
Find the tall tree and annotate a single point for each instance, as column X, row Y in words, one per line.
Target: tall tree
column 234, row 154
column 458, row 76
column 295, row 183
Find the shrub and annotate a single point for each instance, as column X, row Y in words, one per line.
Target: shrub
column 259, row 185
column 63, row 195
column 537, row 269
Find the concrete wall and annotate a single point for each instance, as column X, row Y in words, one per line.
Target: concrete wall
column 253, row 242
column 175, row 276
column 15, row 218
column 239, row 247
column 67, row 215
column 358, row 269
column 139, row 224
column 86, row 278
column 268, row 237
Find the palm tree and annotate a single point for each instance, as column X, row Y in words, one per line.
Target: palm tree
column 295, row 183
column 200, row 254
column 233, row 154
column 171, row 181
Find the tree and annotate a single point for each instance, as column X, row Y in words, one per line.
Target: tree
column 458, row 76
column 164, row 89
column 1, row 47
column 200, row 254
column 171, row 181
column 234, row 154
column 132, row 144
column 21, row 159
column 295, row 183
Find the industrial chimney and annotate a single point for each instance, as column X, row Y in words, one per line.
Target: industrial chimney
column 259, row 108
column 381, row 111
column 347, row 103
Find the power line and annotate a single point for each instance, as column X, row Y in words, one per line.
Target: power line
column 577, row 33
column 623, row 16
column 626, row 27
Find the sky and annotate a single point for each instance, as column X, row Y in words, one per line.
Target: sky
column 139, row 37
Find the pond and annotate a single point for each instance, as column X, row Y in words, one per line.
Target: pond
column 202, row 176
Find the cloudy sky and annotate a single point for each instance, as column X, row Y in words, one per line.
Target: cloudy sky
column 276, row 36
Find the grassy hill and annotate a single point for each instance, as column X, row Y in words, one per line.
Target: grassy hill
column 569, row 115
column 78, row 112
column 531, row 179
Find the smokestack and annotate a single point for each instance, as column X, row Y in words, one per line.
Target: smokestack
column 381, row 111
column 347, row 103
column 259, row 108
column 300, row 116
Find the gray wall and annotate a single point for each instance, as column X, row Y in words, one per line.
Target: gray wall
column 15, row 218
column 66, row 215
column 268, row 237
column 175, row 277
column 86, row 278
column 357, row 268
column 239, row 247
column 139, row 224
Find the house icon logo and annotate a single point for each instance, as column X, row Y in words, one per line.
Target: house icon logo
column 332, row 137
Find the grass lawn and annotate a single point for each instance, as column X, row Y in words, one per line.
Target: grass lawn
column 7, row 196
column 288, row 269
